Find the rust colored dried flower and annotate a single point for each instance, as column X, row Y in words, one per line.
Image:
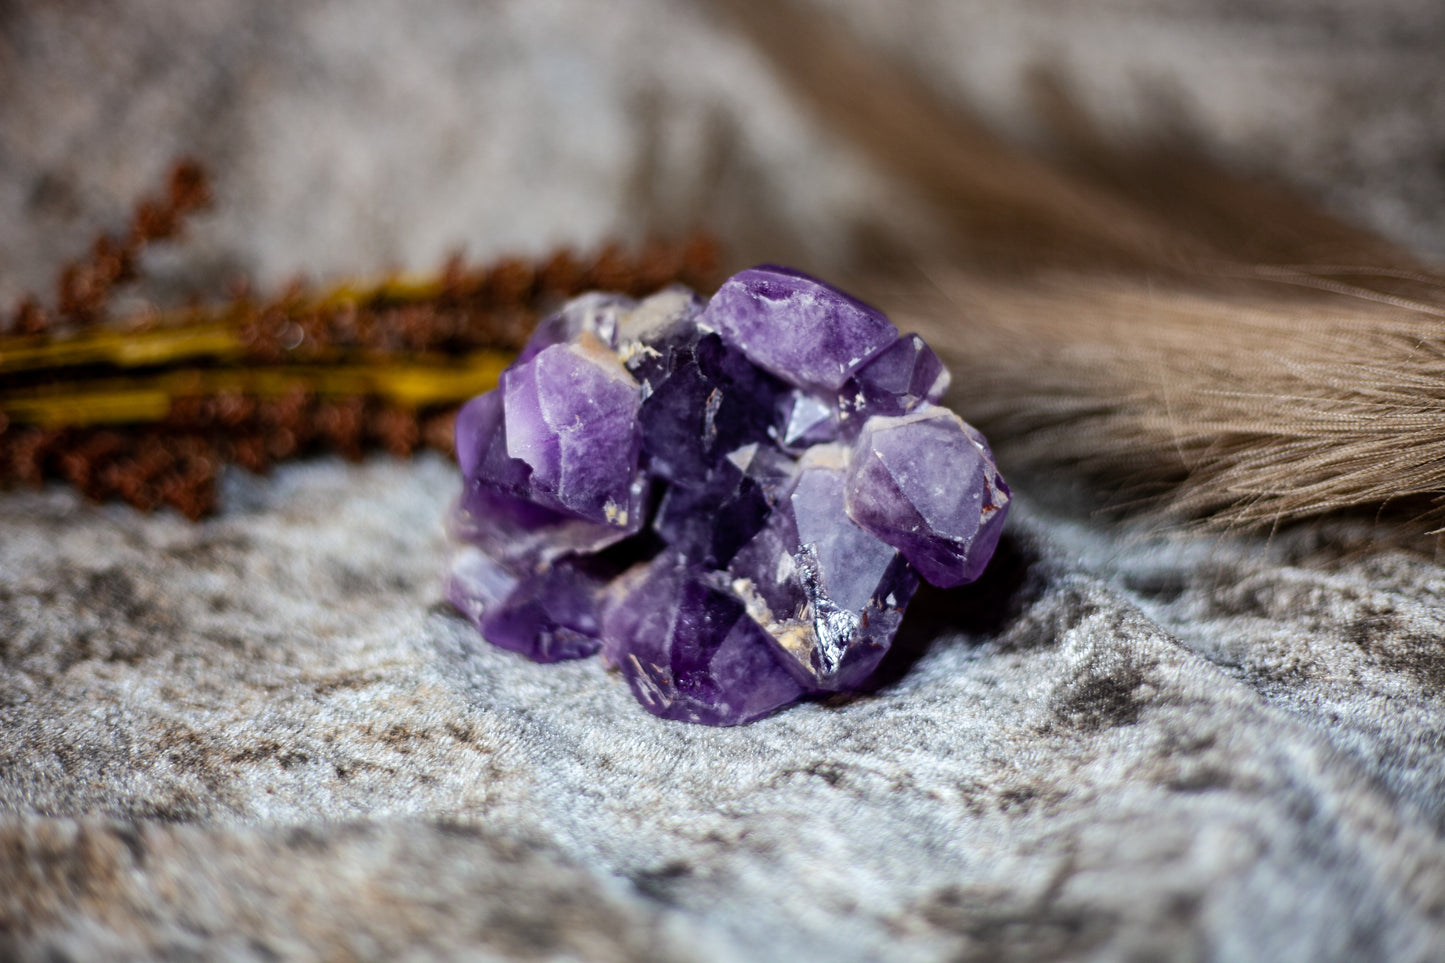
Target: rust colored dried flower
column 147, row 409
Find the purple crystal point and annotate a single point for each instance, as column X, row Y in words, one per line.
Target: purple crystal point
column 481, row 444
column 709, row 523
column 689, row 649
column 596, row 313
column 571, row 415
column 805, row 420
column 733, row 500
column 895, row 381
column 804, row 331
column 711, row 403
column 926, row 483
column 830, row 594
column 548, row 616
column 494, row 511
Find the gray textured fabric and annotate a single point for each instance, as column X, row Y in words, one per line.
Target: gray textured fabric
column 266, row 731
column 265, row 735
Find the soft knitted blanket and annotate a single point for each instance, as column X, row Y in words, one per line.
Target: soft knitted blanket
column 266, row 735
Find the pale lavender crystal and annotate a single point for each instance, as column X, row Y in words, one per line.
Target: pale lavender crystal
column 926, row 483
column 524, row 535
column 689, row 650
column 477, row 582
column 830, row 594
column 597, row 313
column 770, row 470
column 804, row 331
column 494, row 512
column 571, row 415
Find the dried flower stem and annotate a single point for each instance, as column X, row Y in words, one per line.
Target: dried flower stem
column 147, row 409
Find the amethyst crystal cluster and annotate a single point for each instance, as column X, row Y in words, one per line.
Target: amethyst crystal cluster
column 731, row 500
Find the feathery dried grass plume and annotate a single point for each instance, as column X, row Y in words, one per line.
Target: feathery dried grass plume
column 1198, row 343
column 1238, row 405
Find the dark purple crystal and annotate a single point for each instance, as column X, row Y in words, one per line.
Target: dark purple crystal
column 549, row 615
column 690, row 651
column 770, row 472
column 651, row 334
column 709, row 402
column 895, row 381
column 707, row 524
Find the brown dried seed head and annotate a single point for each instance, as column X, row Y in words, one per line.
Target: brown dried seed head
column 439, row 431
column 30, row 317
column 176, row 462
column 510, row 282
column 396, row 429
column 562, row 274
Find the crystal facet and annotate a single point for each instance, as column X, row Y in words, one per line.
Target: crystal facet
column 547, row 616
column 596, row 313
column 494, row 511
column 830, row 594
column 926, row 484
column 689, row 649
column 732, row 500
column 571, row 415
column 804, row 331
column 895, row 381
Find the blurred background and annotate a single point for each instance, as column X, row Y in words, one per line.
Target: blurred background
column 273, row 736
column 354, row 137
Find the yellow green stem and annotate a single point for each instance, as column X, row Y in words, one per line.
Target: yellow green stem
column 193, row 334
column 149, row 398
